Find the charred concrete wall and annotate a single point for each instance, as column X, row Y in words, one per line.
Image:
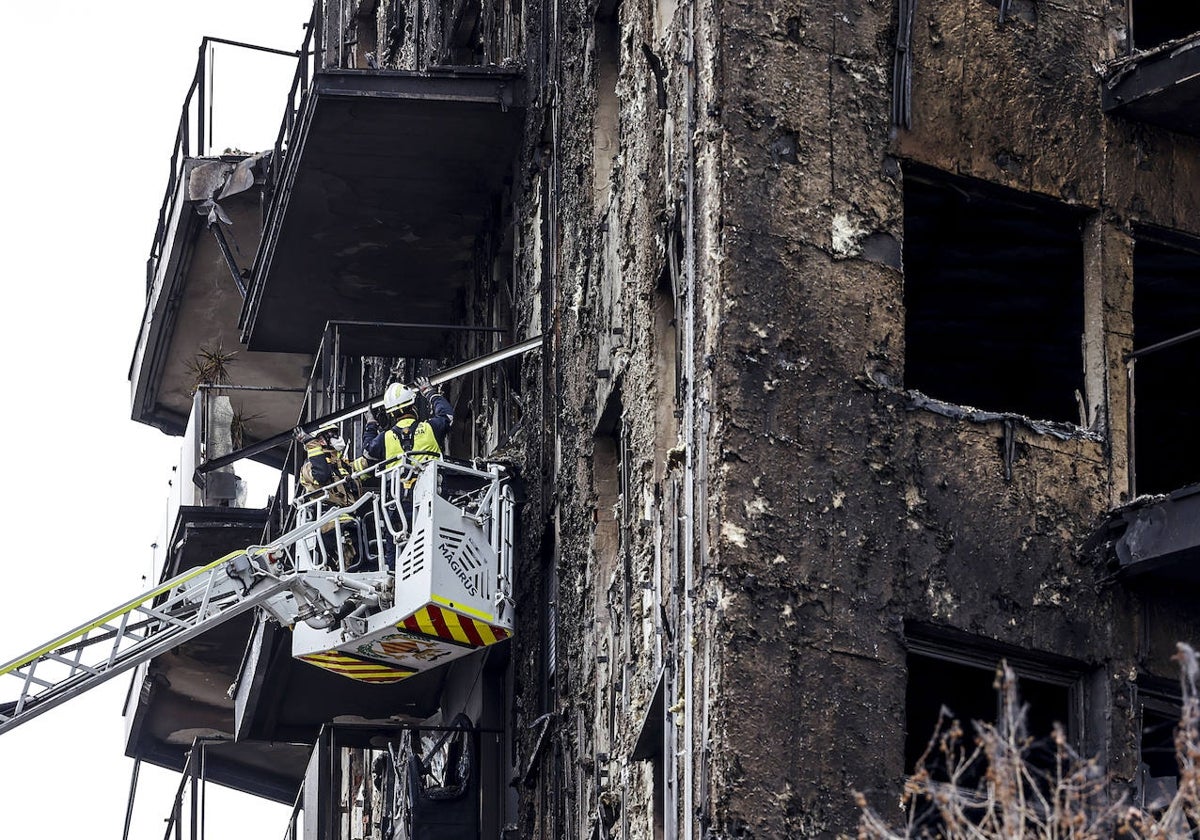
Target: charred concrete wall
column 845, row 509
column 739, row 523
column 618, row 213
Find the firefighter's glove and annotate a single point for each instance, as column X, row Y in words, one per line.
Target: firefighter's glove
column 425, row 386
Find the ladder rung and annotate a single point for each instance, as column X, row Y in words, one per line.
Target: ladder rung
column 75, row 666
column 30, row 678
column 164, row 617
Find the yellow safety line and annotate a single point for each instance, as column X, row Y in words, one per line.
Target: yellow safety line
column 357, row 667
column 425, row 622
column 454, row 605
column 453, row 623
column 486, row 632
column 121, row 610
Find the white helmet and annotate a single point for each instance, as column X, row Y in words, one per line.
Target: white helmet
column 397, row 396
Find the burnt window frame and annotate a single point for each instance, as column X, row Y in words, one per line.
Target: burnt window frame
column 606, row 58
column 1153, row 347
column 1161, row 698
column 953, row 333
column 963, row 649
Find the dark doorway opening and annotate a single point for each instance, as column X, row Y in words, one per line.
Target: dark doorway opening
column 993, row 296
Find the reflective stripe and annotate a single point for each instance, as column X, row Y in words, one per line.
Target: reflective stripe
column 450, row 625
column 357, row 668
column 128, row 606
column 480, row 614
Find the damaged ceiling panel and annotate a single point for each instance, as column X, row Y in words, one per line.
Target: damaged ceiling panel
column 390, row 181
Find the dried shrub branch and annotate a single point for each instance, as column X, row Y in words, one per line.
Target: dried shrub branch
column 988, row 788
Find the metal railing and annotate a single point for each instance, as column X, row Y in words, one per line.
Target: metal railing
column 188, row 806
column 295, row 824
column 382, row 516
column 193, row 138
column 297, row 96
column 439, row 45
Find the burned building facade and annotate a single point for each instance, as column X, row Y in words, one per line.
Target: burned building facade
column 871, row 327
column 864, row 363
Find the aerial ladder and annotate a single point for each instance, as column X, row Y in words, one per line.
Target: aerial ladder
column 449, row 595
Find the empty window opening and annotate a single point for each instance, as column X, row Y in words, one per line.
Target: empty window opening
column 968, row 692
column 463, row 44
column 610, row 479
column 666, row 366
column 1158, row 765
column 366, row 35
column 993, row 296
column 1023, row 10
column 651, row 747
column 606, row 124
column 1154, row 22
column 1166, row 406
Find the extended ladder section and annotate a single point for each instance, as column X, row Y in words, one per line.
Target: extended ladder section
column 171, row 613
column 327, row 580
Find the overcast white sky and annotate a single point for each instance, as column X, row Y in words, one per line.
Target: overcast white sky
column 91, row 96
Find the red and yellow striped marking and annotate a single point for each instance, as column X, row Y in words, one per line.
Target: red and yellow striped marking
column 357, row 668
column 432, row 620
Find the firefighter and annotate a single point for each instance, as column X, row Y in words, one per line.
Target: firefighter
column 326, row 469
column 422, row 440
column 407, row 434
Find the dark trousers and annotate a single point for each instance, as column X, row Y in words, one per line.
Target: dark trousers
column 354, row 546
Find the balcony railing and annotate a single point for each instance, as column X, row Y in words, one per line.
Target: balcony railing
column 443, row 36
column 363, row 783
column 340, row 379
column 193, row 138
column 186, row 818
column 418, row 37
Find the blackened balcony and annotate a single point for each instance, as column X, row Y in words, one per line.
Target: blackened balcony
column 1160, row 86
column 207, row 235
column 1157, row 538
column 185, row 693
column 388, row 181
